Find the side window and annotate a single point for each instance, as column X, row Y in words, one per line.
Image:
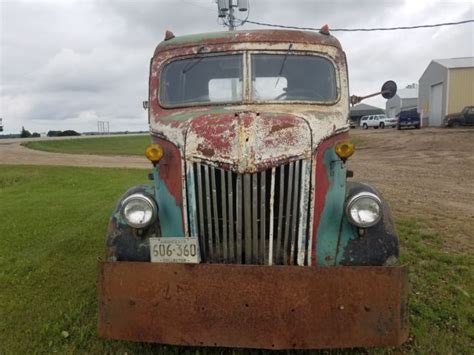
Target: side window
column 371, row 118
column 471, row 111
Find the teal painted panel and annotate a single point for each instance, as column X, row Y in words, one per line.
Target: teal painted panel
column 169, row 212
column 330, row 223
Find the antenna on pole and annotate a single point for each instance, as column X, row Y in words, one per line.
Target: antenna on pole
column 226, row 11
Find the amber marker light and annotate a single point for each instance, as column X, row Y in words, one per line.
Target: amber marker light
column 154, row 153
column 345, row 149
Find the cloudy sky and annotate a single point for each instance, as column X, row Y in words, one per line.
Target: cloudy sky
column 66, row 64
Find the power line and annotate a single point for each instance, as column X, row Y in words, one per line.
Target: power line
column 363, row 29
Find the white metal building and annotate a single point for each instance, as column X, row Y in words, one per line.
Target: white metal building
column 405, row 99
column 446, row 86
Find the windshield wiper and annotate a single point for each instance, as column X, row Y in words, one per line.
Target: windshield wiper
column 194, row 62
column 283, row 64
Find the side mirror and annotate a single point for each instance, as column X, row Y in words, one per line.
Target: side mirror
column 388, row 90
column 145, row 105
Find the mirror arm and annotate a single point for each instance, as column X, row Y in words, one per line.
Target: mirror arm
column 389, row 89
column 356, row 99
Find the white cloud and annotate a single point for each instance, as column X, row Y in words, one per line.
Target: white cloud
column 67, row 64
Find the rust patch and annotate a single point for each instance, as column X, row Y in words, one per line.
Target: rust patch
column 280, row 127
column 248, row 306
column 208, row 152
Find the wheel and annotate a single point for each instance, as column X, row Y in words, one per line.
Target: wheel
column 382, row 125
column 398, row 127
column 455, row 124
column 417, row 126
column 364, row 126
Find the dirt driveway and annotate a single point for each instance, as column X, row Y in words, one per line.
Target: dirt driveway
column 12, row 152
column 427, row 174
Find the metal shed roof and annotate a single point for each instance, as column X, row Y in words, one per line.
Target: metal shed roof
column 364, row 109
column 408, row 93
column 451, row 63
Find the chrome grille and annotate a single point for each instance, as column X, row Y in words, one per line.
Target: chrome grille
column 259, row 218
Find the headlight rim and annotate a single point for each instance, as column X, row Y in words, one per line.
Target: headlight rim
column 143, row 197
column 355, row 198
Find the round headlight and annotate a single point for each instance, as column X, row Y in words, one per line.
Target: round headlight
column 364, row 209
column 138, row 210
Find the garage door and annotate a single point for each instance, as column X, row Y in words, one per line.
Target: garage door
column 436, row 105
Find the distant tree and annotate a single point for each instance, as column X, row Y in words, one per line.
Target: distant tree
column 24, row 133
column 53, row 133
column 69, row 133
column 36, row 135
column 412, row 86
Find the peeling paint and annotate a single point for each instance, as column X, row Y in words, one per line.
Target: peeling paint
column 248, row 137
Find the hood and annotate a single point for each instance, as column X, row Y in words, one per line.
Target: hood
column 246, row 142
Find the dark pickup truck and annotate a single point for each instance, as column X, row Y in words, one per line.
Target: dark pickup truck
column 463, row 118
column 408, row 118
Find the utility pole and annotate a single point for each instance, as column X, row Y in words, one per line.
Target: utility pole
column 226, row 12
column 231, row 16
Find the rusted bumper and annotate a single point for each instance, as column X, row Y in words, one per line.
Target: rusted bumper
column 243, row 306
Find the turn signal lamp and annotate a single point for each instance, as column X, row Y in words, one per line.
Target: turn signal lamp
column 154, row 153
column 345, row 149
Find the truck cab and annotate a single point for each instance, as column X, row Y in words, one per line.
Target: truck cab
column 463, row 118
column 250, row 211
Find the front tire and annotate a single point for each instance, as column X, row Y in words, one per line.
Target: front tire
column 364, row 126
column 455, row 125
column 382, row 125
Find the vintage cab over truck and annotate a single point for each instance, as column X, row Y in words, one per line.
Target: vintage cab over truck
column 249, row 234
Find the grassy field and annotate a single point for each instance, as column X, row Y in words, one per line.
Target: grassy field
column 123, row 145
column 52, row 231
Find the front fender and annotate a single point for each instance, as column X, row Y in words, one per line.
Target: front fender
column 377, row 245
column 125, row 243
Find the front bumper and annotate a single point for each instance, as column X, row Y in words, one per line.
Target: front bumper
column 247, row 306
column 409, row 123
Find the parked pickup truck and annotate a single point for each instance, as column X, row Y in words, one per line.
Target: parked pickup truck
column 249, row 234
column 463, row 118
column 408, row 118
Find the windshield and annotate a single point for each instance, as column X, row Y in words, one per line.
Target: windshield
column 292, row 77
column 202, row 80
column 206, row 79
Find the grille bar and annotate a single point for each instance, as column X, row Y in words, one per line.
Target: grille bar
column 263, row 255
column 272, row 209
column 259, row 218
column 239, row 220
column 225, row 225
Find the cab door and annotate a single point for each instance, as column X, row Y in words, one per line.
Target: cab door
column 370, row 122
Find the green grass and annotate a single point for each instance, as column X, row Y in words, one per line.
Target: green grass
column 123, row 145
column 53, row 222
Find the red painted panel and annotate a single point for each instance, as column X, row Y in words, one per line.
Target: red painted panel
column 322, row 186
column 170, row 169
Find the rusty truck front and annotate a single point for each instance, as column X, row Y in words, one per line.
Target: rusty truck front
column 250, row 234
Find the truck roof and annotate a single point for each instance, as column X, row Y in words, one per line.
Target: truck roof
column 230, row 37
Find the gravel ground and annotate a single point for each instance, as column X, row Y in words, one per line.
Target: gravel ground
column 426, row 174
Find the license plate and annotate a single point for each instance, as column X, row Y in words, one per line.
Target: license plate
column 175, row 250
